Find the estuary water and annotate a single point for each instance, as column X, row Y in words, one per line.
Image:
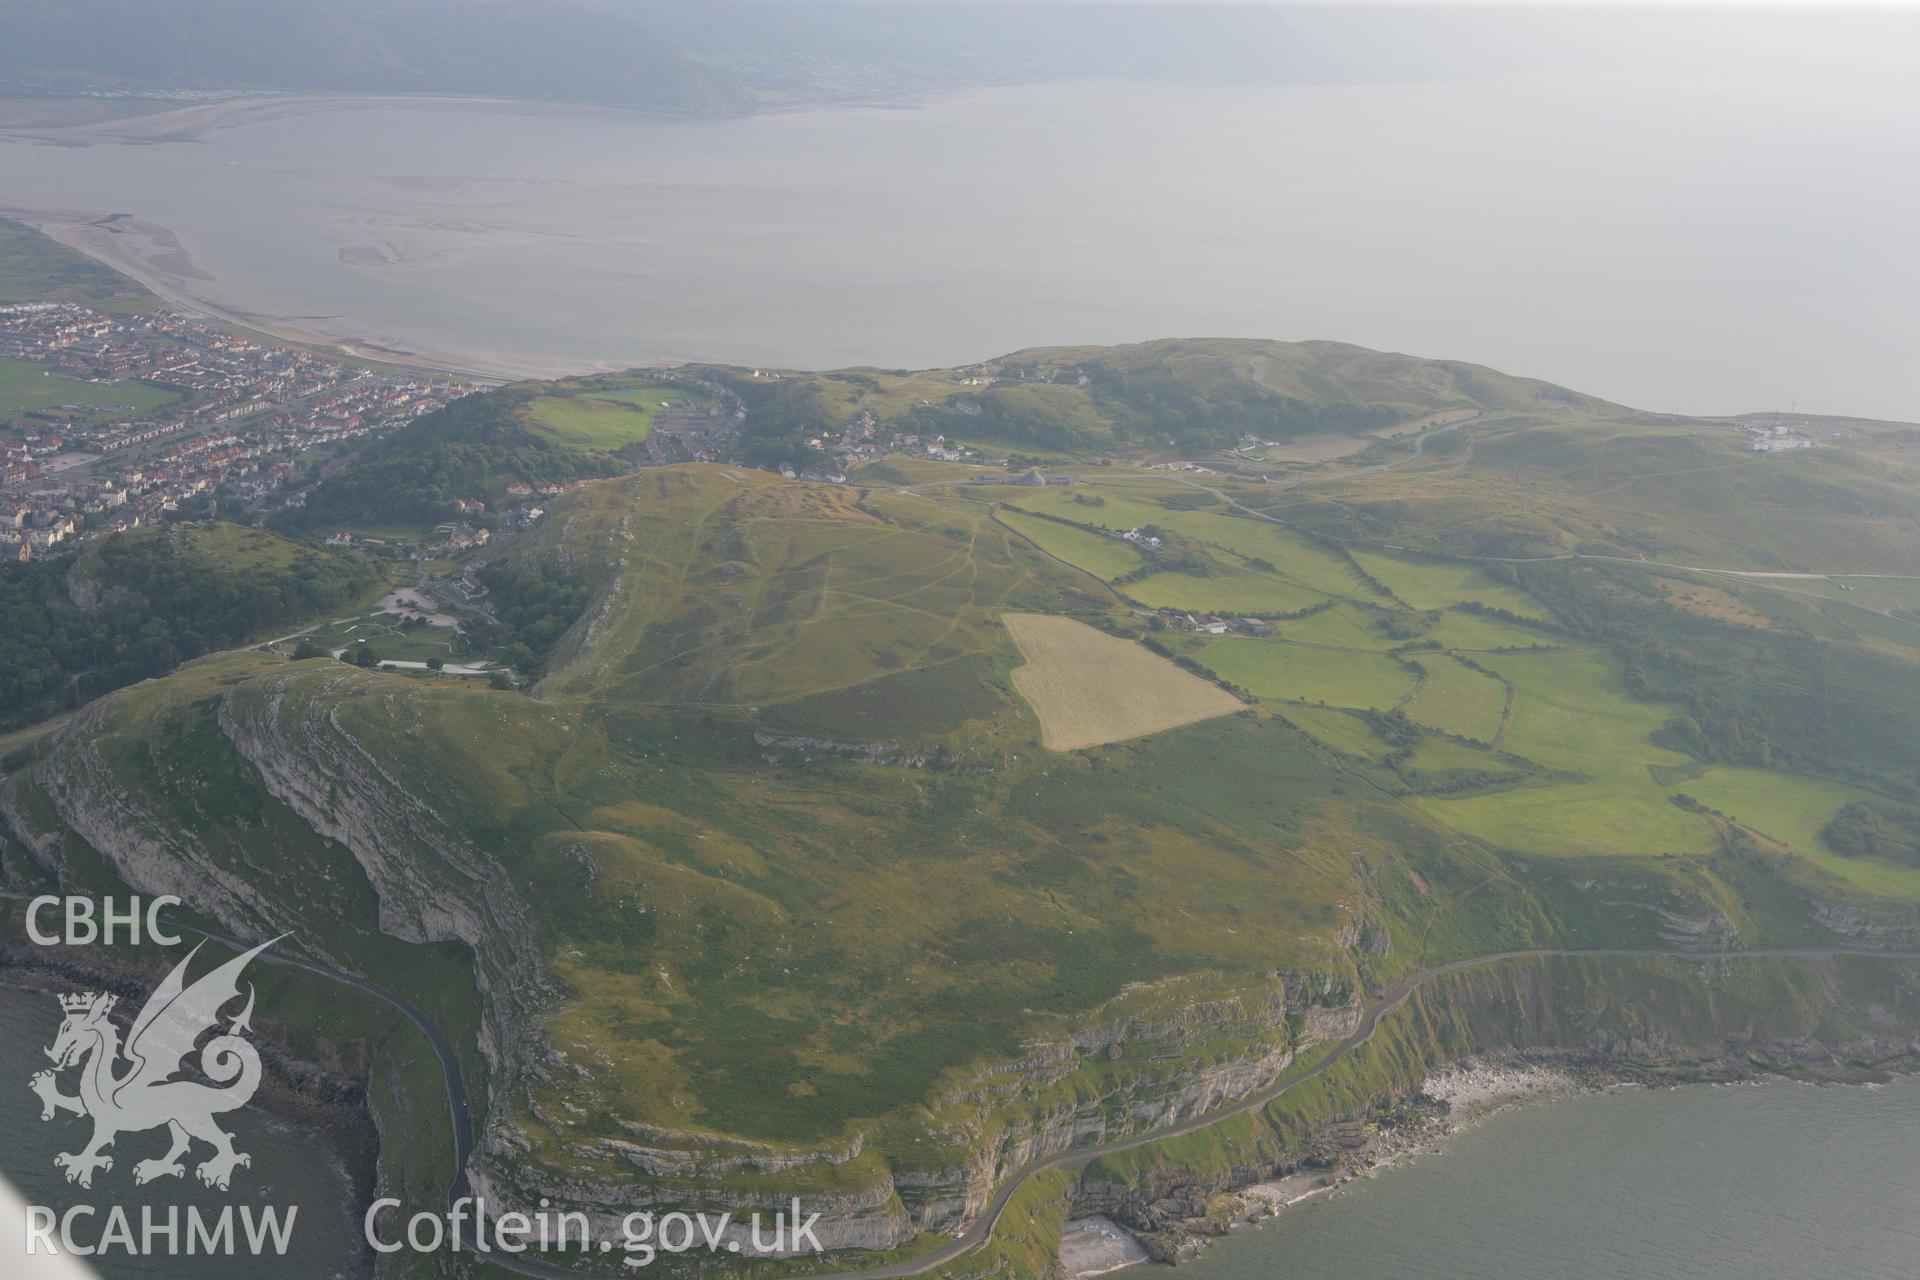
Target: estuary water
column 292, row 1166
column 1679, row 239
column 1774, row 1181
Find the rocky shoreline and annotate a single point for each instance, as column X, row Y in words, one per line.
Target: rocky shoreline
column 1451, row 1099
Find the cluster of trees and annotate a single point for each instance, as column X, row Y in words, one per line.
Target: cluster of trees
column 1156, row 403
column 1409, row 624
column 154, row 598
column 1482, row 610
column 780, row 416
column 473, row 448
column 1373, row 584
column 1169, row 559
column 1876, row 829
column 534, row 605
column 1448, row 782
column 1396, row 729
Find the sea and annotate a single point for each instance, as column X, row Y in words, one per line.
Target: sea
column 1681, row 237
column 1768, row 1181
column 293, row 1167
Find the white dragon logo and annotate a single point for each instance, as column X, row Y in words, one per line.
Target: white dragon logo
column 145, row 1096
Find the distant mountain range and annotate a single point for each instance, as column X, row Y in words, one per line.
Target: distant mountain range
column 681, row 55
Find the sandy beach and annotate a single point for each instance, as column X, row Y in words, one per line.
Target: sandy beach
column 152, row 256
column 190, row 123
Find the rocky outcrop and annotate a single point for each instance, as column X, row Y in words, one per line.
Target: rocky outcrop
column 697, row 1154
column 1273, row 1025
column 1588, row 1021
column 1711, row 931
column 1868, row 928
column 992, row 1122
column 80, row 796
column 432, row 884
column 894, row 753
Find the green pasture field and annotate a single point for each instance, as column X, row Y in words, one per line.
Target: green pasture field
column 1456, row 699
column 1873, row 593
column 412, row 644
column 412, row 534
column 1292, row 556
column 1344, row 625
column 1104, row 557
column 1437, row 584
column 603, row 414
column 1477, row 631
column 1572, row 713
column 1792, row 809
column 1302, row 572
column 1119, row 507
column 1437, row 754
column 1289, row 672
column 591, row 421
column 30, row 387
column 1095, row 504
column 1632, row 818
column 1882, row 613
column 1228, row 591
column 1339, row 729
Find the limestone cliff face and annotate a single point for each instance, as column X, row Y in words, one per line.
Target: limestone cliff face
column 1270, row 1026
column 1724, row 1019
column 1868, row 928
column 1155, row 1055
column 145, row 845
column 432, row 884
column 980, row 1128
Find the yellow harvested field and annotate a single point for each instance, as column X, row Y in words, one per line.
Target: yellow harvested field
column 1089, row 688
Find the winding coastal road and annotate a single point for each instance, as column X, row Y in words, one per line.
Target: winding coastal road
column 1393, row 998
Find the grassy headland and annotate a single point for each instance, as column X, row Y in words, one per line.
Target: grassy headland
column 775, row 884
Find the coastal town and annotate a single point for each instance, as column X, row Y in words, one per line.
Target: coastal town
column 111, row 422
